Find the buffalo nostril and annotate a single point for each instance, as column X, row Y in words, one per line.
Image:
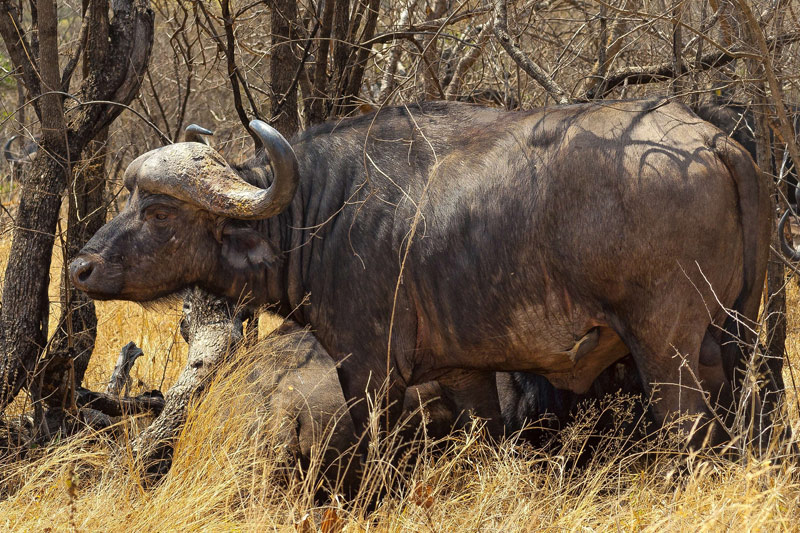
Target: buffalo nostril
column 81, row 270
column 84, row 274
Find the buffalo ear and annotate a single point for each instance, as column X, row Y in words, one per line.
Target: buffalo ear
column 245, row 248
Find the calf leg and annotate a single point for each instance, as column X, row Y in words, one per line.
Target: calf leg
column 307, row 398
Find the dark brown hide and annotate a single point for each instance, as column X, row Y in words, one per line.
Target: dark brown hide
column 551, row 241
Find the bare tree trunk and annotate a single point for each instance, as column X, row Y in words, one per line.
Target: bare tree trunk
column 25, row 302
column 341, row 48
column 73, row 342
column 516, row 53
column 388, row 83
column 316, row 108
column 776, row 277
column 283, row 66
column 760, row 70
column 120, row 57
column 357, row 69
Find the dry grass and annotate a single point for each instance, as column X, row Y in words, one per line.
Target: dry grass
column 228, row 473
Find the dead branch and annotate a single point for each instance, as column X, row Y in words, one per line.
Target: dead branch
column 468, row 60
column 111, row 405
column 122, row 370
column 637, row 75
column 526, row 63
column 213, row 330
column 284, row 67
column 228, row 48
column 433, row 25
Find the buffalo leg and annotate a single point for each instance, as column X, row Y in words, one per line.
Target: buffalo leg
column 368, row 390
column 715, row 378
column 473, row 393
column 673, row 367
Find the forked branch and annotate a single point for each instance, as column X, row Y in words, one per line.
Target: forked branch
column 527, row 64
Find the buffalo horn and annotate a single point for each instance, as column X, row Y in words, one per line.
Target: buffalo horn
column 196, row 134
column 198, row 174
column 7, row 155
column 787, row 250
column 285, row 174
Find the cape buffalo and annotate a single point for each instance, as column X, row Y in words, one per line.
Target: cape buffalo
column 448, row 241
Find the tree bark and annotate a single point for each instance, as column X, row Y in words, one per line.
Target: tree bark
column 25, row 301
column 73, row 342
column 119, row 59
column 341, row 48
column 316, row 109
column 213, row 331
column 71, row 348
column 26, row 307
column 282, row 66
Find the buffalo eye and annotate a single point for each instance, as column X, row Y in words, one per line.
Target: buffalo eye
column 158, row 213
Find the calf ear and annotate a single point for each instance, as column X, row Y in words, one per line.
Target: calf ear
column 245, row 248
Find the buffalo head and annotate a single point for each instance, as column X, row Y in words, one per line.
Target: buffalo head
column 186, row 222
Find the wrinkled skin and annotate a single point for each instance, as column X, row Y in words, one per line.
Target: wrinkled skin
column 151, row 226
column 553, row 241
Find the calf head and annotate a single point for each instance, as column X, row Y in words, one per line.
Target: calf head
column 186, row 223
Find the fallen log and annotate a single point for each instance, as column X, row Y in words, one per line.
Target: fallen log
column 213, row 329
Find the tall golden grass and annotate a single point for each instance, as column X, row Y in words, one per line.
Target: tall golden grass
column 229, row 471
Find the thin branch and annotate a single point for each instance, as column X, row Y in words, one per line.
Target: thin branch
column 69, row 68
column 299, row 70
column 387, row 83
column 468, row 60
column 148, row 402
column 228, row 48
column 526, row 63
column 423, row 28
column 19, row 49
column 638, row 75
